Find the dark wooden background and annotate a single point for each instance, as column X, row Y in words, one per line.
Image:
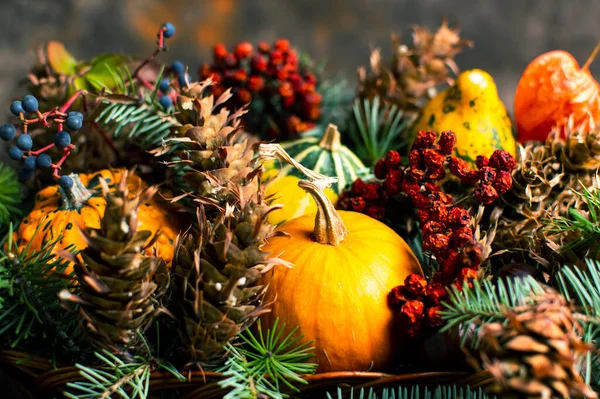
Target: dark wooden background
column 508, row 34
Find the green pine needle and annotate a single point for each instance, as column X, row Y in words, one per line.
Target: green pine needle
column 413, row 392
column 376, row 129
column 10, row 195
column 144, row 122
column 267, row 361
column 29, row 303
column 116, row 378
column 587, row 226
column 485, row 303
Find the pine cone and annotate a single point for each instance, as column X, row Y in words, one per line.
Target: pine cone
column 119, row 286
column 218, row 265
column 575, row 147
column 534, row 355
column 414, row 73
column 216, row 292
column 521, row 209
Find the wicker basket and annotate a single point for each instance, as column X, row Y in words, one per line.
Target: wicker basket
column 48, row 381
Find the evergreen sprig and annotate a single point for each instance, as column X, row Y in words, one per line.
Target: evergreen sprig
column 115, row 377
column 10, row 195
column 376, row 129
column 266, row 362
column 29, row 303
column 413, row 392
column 585, row 226
column 486, row 302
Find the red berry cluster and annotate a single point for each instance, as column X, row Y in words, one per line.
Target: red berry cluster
column 272, row 79
column 367, row 198
column 445, row 227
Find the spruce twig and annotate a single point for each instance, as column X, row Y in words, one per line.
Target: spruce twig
column 266, row 362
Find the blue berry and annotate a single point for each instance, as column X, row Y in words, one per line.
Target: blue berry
column 178, row 67
column 30, row 162
column 25, row 142
column 74, row 123
column 7, row 132
column 44, row 161
column 15, row 153
column 65, row 182
column 16, row 108
column 30, row 103
column 166, row 102
column 182, row 79
column 169, row 29
column 62, row 139
column 164, row 86
column 75, row 114
column 25, row 174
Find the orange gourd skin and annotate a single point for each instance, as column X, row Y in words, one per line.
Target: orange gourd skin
column 552, row 88
column 66, row 221
column 337, row 295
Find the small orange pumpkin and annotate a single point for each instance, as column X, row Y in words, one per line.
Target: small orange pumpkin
column 552, row 89
column 345, row 264
column 83, row 205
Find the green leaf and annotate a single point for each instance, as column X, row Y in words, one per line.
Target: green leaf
column 60, row 60
column 101, row 70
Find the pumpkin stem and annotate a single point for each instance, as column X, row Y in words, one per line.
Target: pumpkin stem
column 276, row 151
column 331, row 140
column 75, row 197
column 329, row 226
column 591, row 57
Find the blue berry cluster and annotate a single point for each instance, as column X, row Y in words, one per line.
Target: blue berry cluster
column 179, row 68
column 22, row 150
column 165, row 101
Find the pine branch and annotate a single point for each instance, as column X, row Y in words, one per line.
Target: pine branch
column 470, row 308
column 414, row 392
column 266, row 362
column 10, row 195
column 376, row 129
column 126, row 380
column 29, row 304
column 144, row 122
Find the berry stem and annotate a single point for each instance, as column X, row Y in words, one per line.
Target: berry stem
column 71, row 100
column 62, row 160
column 46, row 148
column 161, row 40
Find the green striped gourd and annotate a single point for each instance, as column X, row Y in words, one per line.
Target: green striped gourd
column 325, row 155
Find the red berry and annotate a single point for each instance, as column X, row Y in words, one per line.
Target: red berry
column 258, row 63
column 447, row 142
column 285, row 90
column 264, row 47
column 424, row 139
column 240, row 75
column 380, row 169
column 481, row 161
column 503, row 181
column 275, row 58
column 502, row 160
column 485, row 193
column 244, row 96
column 243, row 50
column 255, row 83
column 230, row 60
column 282, row 44
column 393, row 182
column 392, row 159
column 219, row 51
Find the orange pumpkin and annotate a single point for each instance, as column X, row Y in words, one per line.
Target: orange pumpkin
column 552, row 89
column 345, row 264
column 83, row 205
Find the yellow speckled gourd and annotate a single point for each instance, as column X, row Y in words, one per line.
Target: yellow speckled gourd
column 472, row 109
column 345, row 264
column 83, row 205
